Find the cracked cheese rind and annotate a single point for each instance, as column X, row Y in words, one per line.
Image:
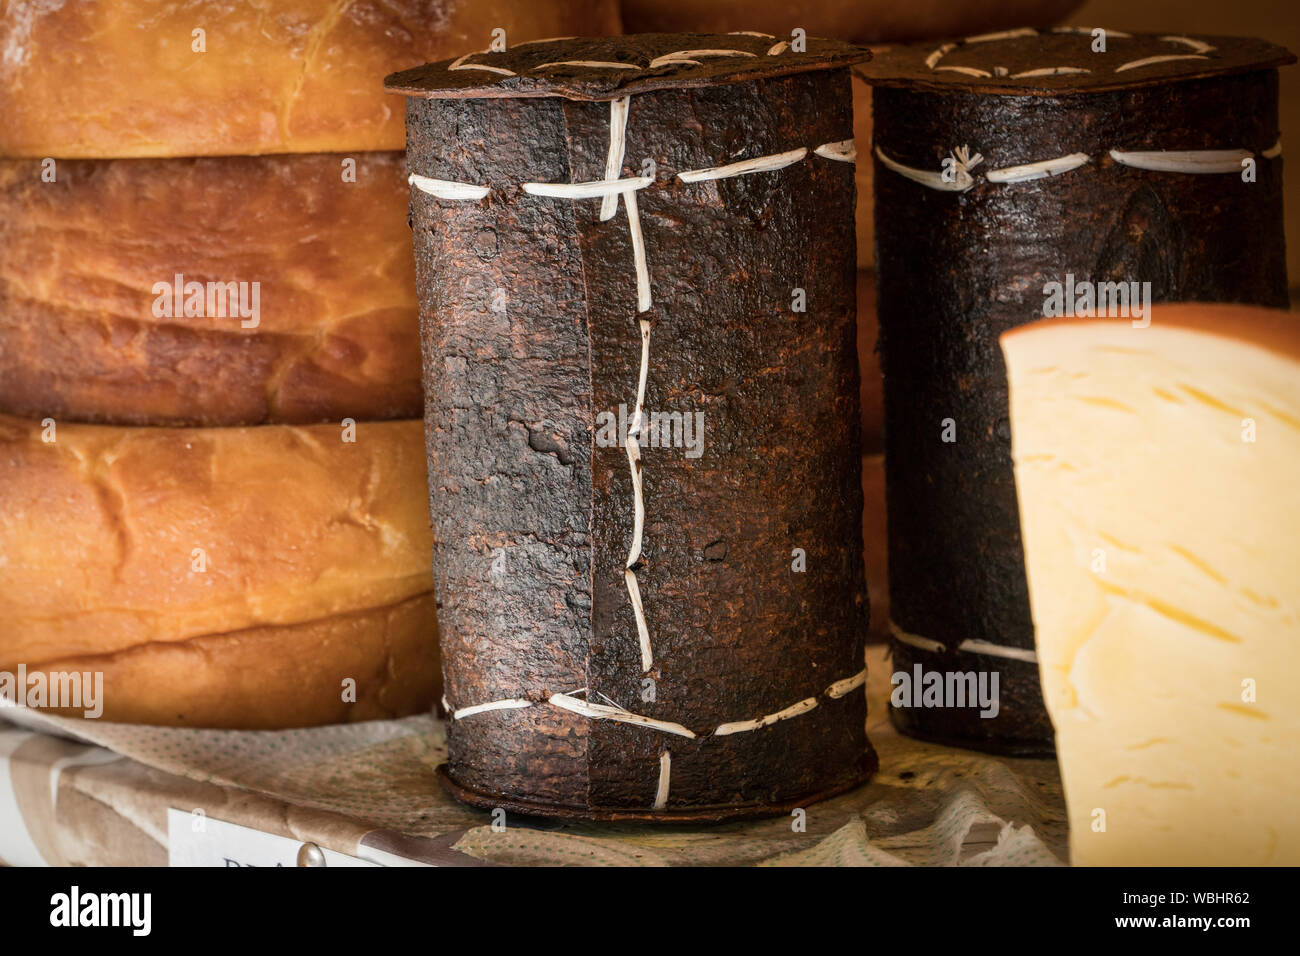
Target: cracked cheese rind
column 1156, row 474
column 335, row 333
column 221, row 576
column 132, row 77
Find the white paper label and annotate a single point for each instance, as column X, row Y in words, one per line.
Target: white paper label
column 194, row 839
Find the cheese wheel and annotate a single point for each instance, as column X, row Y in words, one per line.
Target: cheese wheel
column 1155, row 468
column 173, row 78
column 271, row 677
column 861, row 21
column 221, row 577
column 91, row 327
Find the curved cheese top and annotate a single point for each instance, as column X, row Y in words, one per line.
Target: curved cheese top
column 606, row 68
column 1067, row 60
column 1275, row 330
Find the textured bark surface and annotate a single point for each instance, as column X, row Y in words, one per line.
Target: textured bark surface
column 508, row 431
column 517, row 476
column 1067, row 61
column 955, row 270
column 578, row 68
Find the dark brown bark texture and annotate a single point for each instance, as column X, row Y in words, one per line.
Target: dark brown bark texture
column 529, row 326
column 955, row 270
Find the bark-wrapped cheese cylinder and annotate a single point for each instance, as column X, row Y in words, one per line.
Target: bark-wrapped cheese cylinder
column 1018, row 174
column 647, row 235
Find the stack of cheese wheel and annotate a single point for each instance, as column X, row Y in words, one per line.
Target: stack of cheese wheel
column 212, row 475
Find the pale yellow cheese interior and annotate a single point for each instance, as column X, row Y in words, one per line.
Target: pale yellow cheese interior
column 1158, row 472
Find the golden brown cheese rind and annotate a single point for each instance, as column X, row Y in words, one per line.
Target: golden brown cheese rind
column 1273, row 329
column 277, row 676
column 337, row 331
column 116, row 538
column 101, row 80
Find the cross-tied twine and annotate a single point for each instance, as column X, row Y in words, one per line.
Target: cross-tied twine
column 955, row 176
column 963, row 162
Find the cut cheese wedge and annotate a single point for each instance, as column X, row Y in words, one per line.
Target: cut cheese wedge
column 1158, row 472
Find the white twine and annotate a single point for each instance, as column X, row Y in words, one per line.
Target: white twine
column 998, row 650
column 634, row 448
column 933, row 59
column 961, row 179
column 638, row 502
column 1152, row 60
column 1039, row 170
column 1199, row 48
column 592, row 190
column 986, row 648
column 1050, row 71
column 1193, row 161
column 612, row 711
column 1196, row 161
column 842, row 151
column 638, row 611
column 915, row 640
column 509, row 703
column 745, row 726
column 604, row 712
column 759, row 164
column 676, row 58
column 547, row 40
column 847, row 685
column 602, row 189
column 665, row 772
column 590, row 64
column 1088, row 31
column 638, row 251
column 445, row 188
column 618, row 110
column 967, row 70
column 460, row 64
column 1003, row 35
column 687, row 57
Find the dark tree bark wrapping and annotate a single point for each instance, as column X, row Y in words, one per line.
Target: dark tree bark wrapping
column 513, row 387
column 955, row 270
